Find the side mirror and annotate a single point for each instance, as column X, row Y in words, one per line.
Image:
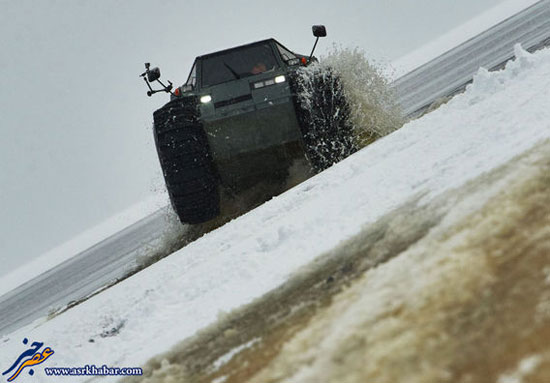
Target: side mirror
column 319, row 30
column 153, row 74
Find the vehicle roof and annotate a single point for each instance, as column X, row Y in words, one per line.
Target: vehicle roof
column 237, row 47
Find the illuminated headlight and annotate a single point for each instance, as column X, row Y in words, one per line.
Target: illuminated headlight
column 206, row 99
column 271, row 81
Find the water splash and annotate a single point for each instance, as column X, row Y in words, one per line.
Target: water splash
column 374, row 111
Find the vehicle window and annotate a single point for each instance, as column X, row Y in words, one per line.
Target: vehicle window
column 192, row 79
column 238, row 63
column 285, row 53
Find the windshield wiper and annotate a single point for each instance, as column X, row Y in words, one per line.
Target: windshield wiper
column 232, row 71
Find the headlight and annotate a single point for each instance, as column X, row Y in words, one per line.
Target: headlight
column 206, row 99
column 272, row 81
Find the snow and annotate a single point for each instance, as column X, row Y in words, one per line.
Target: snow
column 458, row 35
column 405, row 313
column 525, row 367
column 501, row 115
column 227, row 357
column 81, row 242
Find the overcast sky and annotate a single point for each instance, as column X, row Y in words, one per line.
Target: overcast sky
column 76, row 144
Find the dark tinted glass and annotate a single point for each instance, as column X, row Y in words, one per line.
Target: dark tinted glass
column 237, row 64
column 192, row 79
column 285, row 53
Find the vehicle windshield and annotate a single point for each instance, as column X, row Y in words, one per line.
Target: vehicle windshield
column 237, row 64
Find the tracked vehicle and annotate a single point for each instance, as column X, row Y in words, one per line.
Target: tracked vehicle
column 244, row 115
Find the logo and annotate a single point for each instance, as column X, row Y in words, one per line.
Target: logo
column 28, row 358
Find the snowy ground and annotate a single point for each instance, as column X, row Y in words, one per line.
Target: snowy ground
column 501, row 115
column 457, row 290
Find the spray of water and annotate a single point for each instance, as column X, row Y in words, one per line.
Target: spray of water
column 373, row 108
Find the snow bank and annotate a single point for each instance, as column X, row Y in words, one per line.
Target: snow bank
column 501, row 115
column 456, row 306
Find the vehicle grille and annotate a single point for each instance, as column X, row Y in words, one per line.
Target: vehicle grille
column 232, row 101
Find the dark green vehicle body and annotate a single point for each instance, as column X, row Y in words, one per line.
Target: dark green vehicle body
column 250, row 121
column 244, row 116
